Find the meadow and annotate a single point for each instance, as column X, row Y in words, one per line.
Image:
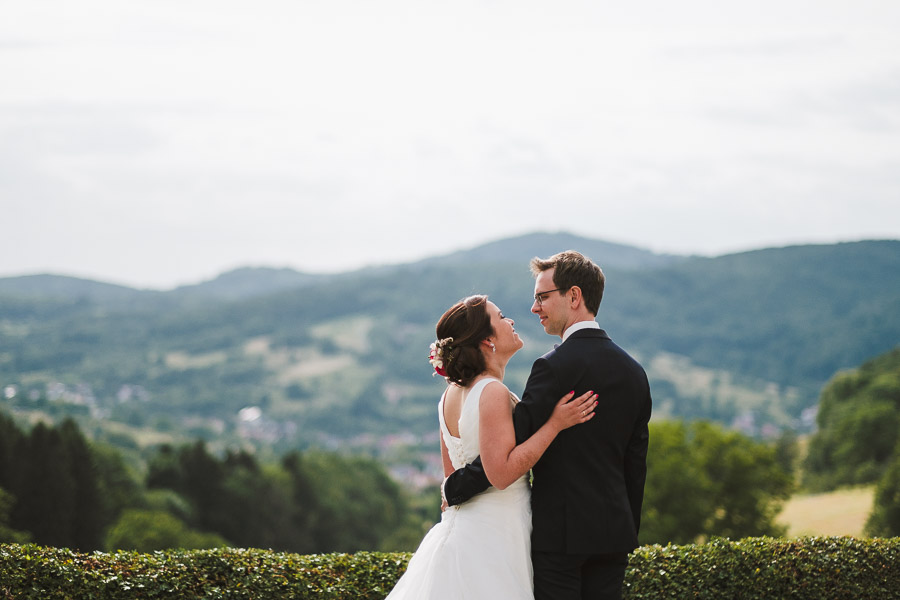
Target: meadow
column 841, row 512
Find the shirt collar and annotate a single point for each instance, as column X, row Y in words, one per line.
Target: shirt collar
column 578, row 327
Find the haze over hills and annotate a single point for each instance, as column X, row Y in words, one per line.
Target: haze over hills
column 281, row 359
column 255, row 281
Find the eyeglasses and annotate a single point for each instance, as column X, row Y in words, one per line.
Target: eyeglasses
column 541, row 296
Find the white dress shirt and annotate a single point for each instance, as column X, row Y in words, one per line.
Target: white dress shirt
column 578, row 327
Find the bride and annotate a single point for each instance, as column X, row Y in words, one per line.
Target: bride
column 482, row 549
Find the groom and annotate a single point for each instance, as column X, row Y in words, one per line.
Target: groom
column 588, row 487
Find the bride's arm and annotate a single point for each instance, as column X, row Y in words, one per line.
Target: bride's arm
column 503, row 461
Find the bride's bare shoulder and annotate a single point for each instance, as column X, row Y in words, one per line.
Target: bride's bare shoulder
column 453, row 400
column 453, row 394
column 495, row 390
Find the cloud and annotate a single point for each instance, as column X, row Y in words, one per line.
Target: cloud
column 760, row 46
column 153, row 143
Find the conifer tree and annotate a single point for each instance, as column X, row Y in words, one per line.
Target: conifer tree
column 90, row 508
column 10, row 438
column 7, row 533
column 45, row 489
column 305, row 509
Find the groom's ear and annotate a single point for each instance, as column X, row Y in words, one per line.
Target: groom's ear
column 575, row 297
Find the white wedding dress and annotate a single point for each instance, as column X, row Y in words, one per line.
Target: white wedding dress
column 480, row 550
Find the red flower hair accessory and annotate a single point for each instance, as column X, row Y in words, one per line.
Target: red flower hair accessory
column 436, row 358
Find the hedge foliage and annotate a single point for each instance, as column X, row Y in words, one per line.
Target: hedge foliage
column 819, row 568
column 37, row 572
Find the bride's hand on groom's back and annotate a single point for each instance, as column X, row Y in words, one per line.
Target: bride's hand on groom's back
column 569, row 411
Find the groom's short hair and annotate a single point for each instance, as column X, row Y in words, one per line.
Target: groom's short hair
column 573, row 268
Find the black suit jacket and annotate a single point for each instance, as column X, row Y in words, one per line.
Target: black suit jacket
column 588, row 487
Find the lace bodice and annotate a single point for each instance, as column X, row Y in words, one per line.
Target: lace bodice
column 465, row 448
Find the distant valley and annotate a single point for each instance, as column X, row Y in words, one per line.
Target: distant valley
column 274, row 359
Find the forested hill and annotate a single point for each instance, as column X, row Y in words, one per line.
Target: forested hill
column 859, row 427
column 277, row 357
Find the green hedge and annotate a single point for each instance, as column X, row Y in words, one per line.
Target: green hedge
column 753, row 568
column 40, row 573
column 818, row 568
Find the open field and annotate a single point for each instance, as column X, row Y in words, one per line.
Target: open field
column 841, row 512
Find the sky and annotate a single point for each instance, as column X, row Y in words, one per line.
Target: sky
column 155, row 143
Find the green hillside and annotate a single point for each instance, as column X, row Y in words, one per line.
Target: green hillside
column 859, row 425
column 282, row 360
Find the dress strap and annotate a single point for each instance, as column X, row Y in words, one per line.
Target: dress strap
column 482, row 383
column 475, row 390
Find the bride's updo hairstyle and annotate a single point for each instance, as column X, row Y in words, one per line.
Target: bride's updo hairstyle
column 468, row 323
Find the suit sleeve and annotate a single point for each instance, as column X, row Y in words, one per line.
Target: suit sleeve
column 465, row 483
column 636, row 460
column 538, row 400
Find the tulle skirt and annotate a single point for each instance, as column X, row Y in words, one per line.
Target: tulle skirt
column 479, row 550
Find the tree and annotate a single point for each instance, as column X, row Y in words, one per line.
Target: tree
column 10, row 439
column 91, row 514
column 119, row 486
column 45, row 489
column 360, row 506
column 787, row 451
column 703, row 480
column 885, row 518
column 263, row 496
column 197, row 476
column 677, row 491
column 858, row 425
column 749, row 485
column 150, row 530
column 304, row 505
column 7, row 533
column 65, row 493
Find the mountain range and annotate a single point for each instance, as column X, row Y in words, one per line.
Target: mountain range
column 276, row 358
